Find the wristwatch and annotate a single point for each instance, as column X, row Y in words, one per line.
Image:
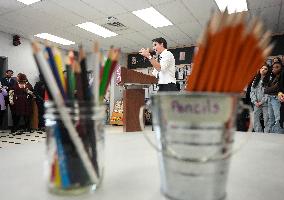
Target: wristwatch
column 150, row 57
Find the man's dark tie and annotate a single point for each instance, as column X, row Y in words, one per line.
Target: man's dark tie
column 159, row 58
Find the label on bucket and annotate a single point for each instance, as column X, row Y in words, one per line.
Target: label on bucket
column 198, row 108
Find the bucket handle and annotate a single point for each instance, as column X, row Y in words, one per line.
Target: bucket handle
column 174, row 154
column 142, row 126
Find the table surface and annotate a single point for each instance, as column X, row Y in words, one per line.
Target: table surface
column 131, row 170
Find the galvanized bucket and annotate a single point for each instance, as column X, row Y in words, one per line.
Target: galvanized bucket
column 195, row 134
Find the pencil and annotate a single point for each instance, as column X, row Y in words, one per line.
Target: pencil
column 212, row 44
column 63, row 112
column 228, row 54
column 96, row 70
column 221, row 40
column 89, row 123
column 235, row 26
column 198, row 59
column 59, row 65
column 105, row 75
column 55, row 72
column 247, row 54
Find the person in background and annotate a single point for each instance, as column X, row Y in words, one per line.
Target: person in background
column 8, row 81
column 165, row 69
column 259, row 99
column 39, row 92
column 281, row 99
column 273, row 103
column 276, row 59
column 3, row 94
column 20, row 99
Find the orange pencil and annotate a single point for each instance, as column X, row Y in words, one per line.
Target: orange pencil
column 229, row 52
column 215, row 78
column 212, row 44
column 237, row 53
column 246, row 55
column 198, row 59
column 233, row 61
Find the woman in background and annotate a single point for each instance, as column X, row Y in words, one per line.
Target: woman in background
column 20, row 98
column 273, row 103
column 259, row 99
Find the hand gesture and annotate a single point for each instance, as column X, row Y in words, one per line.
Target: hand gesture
column 145, row 52
column 281, row 97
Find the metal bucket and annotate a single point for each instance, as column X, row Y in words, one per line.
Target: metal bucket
column 194, row 134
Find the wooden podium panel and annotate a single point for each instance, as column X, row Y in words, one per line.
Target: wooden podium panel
column 133, row 100
column 133, row 96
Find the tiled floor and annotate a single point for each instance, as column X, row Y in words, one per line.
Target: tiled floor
column 8, row 140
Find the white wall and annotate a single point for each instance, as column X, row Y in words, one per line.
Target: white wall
column 20, row 58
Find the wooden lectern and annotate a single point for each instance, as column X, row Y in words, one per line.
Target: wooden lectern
column 133, row 96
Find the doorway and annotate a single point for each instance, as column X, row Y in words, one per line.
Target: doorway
column 3, row 68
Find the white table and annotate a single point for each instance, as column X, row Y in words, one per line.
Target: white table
column 256, row 173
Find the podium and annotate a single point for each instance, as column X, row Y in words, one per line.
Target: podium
column 133, row 96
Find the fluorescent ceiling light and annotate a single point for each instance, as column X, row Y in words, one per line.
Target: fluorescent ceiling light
column 233, row 5
column 54, row 38
column 96, row 29
column 28, row 2
column 152, row 17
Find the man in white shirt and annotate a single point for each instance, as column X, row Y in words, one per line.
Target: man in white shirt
column 165, row 69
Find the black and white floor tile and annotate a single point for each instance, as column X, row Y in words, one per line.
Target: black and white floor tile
column 7, row 139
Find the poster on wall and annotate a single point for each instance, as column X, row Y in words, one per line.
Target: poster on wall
column 118, row 74
column 182, row 55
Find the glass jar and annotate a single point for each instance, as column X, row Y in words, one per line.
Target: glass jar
column 66, row 173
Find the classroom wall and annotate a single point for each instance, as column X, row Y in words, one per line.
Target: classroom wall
column 20, row 58
column 278, row 41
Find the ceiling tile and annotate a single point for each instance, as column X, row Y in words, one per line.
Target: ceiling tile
column 118, row 41
column 270, row 22
column 258, row 4
column 137, row 38
column 133, row 22
column 191, row 29
column 176, row 12
column 69, row 35
column 126, row 31
column 9, row 5
column 159, row 2
column 107, row 7
column 172, row 32
column 20, row 22
column 59, row 12
column 82, row 33
column 151, row 33
column 40, row 19
column 80, row 8
column 201, row 11
column 133, row 5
